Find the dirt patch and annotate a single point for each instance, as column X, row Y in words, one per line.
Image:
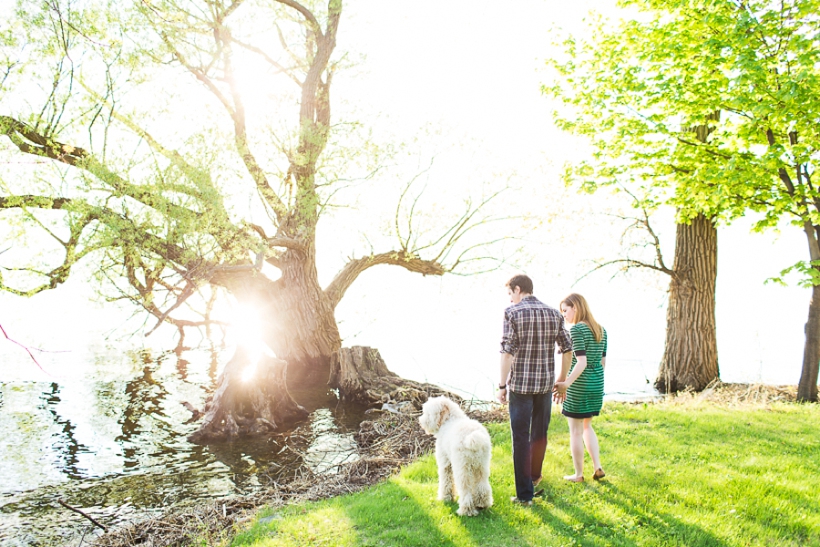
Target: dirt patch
column 386, row 442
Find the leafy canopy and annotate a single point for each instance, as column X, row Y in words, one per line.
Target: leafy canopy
column 708, row 106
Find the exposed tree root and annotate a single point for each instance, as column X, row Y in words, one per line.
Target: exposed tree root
column 361, row 376
column 256, row 405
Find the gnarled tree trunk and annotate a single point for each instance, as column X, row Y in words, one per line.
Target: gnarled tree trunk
column 300, row 319
column 297, row 318
column 361, row 376
column 690, row 356
column 246, row 407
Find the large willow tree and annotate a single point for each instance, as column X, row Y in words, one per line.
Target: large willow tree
column 712, row 108
column 131, row 144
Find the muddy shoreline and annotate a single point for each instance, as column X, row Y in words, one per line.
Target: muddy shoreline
column 386, row 442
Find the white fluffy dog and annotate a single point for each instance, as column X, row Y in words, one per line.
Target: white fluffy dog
column 463, row 451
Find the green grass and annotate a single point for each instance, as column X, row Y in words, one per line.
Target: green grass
column 677, row 476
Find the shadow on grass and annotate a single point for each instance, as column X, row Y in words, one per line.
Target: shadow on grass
column 667, row 529
column 412, row 516
column 566, row 516
column 757, row 467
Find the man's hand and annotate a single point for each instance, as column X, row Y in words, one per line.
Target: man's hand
column 501, row 396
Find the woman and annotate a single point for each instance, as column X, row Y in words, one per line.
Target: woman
column 584, row 386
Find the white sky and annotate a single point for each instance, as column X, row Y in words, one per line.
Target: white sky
column 465, row 76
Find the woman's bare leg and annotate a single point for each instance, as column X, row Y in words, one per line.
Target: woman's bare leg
column 591, row 442
column 576, row 447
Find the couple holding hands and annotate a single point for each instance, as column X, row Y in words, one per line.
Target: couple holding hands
column 532, row 330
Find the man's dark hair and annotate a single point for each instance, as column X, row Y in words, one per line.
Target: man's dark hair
column 521, row 281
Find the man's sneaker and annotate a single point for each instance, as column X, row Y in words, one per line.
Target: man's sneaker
column 520, row 502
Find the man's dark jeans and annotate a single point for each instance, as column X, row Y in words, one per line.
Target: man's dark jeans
column 529, row 421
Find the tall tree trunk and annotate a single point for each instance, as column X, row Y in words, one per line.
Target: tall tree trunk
column 690, row 356
column 298, row 324
column 807, row 388
column 301, row 321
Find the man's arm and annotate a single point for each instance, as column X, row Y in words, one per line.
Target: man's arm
column 566, row 362
column 506, row 365
column 560, row 389
column 564, row 342
column 509, row 345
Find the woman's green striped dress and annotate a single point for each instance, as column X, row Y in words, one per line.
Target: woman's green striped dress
column 586, row 394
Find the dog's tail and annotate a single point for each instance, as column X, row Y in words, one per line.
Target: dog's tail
column 476, row 440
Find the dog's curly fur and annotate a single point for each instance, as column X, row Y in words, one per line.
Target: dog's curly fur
column 463, row 451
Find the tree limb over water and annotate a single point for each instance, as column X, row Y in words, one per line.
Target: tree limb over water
column 154, row 160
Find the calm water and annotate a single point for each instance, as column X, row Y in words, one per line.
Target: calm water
column 115, row 446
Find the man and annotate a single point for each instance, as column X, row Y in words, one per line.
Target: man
column 531, row 331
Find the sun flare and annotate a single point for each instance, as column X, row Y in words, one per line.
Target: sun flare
column 246, row 325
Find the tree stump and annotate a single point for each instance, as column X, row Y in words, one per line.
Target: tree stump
column 260, row 405
column 361, row 376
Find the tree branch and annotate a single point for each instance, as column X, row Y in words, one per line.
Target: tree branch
column 88, row 214
column 222, row 37
column 186, row 293
column 781, row 172
column 29, row 141
column 269, row 59
column 24, row 347
column 629, row 264
column 198, row 73
column 348, row 274
column 67, row 506
column 308, row 15
column 287, row 242
column 656, row 242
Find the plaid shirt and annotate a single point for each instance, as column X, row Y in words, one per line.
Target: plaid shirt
column 531, row 329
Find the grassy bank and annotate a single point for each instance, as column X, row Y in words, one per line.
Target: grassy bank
column 678, row 475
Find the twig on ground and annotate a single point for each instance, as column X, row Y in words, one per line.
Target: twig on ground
column 67, row 506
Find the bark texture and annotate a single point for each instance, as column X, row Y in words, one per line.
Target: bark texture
column 807, row 388
column 256, row 406
column 298, row 320
column 690, row 356
column 361, row 376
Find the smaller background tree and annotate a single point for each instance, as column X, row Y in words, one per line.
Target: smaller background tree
column 710, row 107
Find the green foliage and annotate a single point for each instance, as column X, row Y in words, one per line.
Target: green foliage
column 710, row 107
column 155, row 219
column 709, row 478
column 810, row 273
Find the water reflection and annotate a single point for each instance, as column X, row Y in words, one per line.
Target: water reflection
column 115, row 446
column 330, row 447
column 64, row 443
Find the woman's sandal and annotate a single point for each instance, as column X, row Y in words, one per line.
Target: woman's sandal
column 573, row 478
column 599, row 474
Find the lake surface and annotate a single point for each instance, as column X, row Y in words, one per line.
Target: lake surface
column 117, row 449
